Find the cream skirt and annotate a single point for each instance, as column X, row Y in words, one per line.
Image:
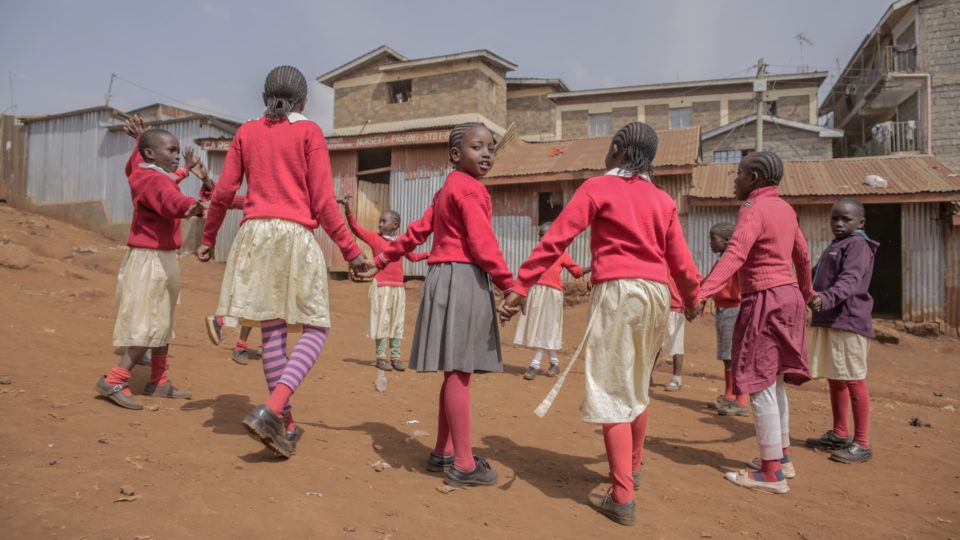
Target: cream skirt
column 148, row 286
column 542, row 325
column 387, row 310
column 673, row 338
column 838, row 355
column 275, row 270
column 630, row 320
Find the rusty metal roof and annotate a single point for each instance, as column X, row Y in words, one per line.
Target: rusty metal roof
column 516, row 157
column 905, row 175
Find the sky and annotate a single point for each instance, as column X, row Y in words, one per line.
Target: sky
column 212, row 55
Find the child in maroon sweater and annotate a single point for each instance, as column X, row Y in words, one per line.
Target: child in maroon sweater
column 149, row 278
column 388, row 298
column 456, row 327
column 769, row 338
column 637, row 246
column 842, row 328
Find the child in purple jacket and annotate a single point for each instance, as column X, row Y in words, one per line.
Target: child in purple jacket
column 842, row 327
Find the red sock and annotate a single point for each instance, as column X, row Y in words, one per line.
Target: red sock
column 618, row 439
column 728, row 390
column 456, row 398
column 219, row 319
column 860, row 397
column 444, row 446
column 769, row 471
column 240, row 346
column 158, row 369
column 118, row 375
column 639, row 429
column 289, row 424
column 278, row 398
column 839, row 403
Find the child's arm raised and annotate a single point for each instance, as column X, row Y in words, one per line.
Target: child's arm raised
column 745, row 234
column 801, row 261
column 369, row 237
column 856, row 264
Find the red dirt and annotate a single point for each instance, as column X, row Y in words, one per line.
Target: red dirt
column 64, row 453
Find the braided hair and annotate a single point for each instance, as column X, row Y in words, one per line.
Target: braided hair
column 458, row 132
column 284, row 89
column 724, row 230
column 766, row 164
column 638, row 146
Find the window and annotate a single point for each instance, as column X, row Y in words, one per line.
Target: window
column 727, row 156
column 373, row 165
column 550, row 205
column 600, row 125
column 771, row 107
column 399, row 91
column 681, row 118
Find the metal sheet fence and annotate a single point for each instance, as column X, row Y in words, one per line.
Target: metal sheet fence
column 923, row 262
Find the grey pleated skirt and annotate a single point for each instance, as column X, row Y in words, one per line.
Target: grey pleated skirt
column 457, row 325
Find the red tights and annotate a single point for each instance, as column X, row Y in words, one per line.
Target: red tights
column 453, row 420
column 624, row 442
column 842, row 394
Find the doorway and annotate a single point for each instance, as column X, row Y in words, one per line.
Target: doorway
column 886, row 287
column 373, row 188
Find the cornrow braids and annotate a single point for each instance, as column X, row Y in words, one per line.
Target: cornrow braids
column 765, row 163
column 147, row 138
column 724, row 229
column 458, row 131
column 637, row 142
column 284, row 89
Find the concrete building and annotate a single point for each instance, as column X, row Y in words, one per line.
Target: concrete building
column 900, row 90
column 789, row 139
column 530, row 108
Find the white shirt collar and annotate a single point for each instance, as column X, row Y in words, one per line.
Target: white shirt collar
column 390, row 238
column 616, row 171
column 155, row 167
column 295, row 117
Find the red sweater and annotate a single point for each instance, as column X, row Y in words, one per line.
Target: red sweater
column 729, row 296
column 676, row 304
column 238, row 200
column 766, row 245
column 460, row 220
column 551, row 277
column 288, row 177
column 136, row 159
column 158, row 206
column 392, row 274
column 634, row 234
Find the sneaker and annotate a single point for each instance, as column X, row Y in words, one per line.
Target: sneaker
column 114, row 392
column 481, row 475
column 852, row 454
column 241, row 357
column 624, row 514
column 437, row 463
column 268, row 428
column 731, row 408
column 531, row 373
column 743, row 479
column 384, row 365
column 398, row 364
column 166, row 390
column 213, row 330
column 829, row 441
column 789, row 471
column 553, row 370
column 294, row 437
column 674, row 385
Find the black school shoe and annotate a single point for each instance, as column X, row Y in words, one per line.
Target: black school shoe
column 481, row 475
column 268, row 428
column 294, row 437
column 829, row 441
column 624, row 514
column 437, row 463
column 852, row 454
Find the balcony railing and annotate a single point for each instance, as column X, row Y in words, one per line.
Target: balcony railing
column 893, row 137
column 860, row 83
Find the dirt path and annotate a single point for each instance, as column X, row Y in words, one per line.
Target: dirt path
column 64, row 453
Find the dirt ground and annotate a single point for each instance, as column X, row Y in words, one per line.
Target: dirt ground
column 64, row 453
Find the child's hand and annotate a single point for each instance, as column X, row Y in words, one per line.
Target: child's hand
column 359, row 266
column 345, row 202
column 815, row 303
column 203, row 253
column 694, row 312
column 196, row 209
column 510, row 306
column 190, row 157
column 134, row 126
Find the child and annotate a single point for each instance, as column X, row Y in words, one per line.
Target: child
column 541, row 328
column 673, row 338
column 388, row 298
column 149, row 278
column 636, row 245
column 842, row 328
column 456, row 328
column 769, row 338
column 727, row 303
column 275, row 272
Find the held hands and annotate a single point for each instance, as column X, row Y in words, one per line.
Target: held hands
column 345, row 202
column 196, row 209
column 510, row 306
column 694, row 312
column 204, row 253
column 360, row 268
column 815, row 303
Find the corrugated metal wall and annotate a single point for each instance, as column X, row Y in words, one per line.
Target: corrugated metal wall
column 951, row 277
column 923, row 262
column 75, row 158
column 699, row 221
column 815, row 225
column 418, row 172
column 231, row 222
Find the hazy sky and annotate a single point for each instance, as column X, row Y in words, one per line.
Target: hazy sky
column 214, row 54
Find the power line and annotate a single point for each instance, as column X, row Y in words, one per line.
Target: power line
column 171, row 98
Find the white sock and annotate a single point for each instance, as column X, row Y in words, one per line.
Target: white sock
column 676, row 378
column 554, row 360
column 535, row 363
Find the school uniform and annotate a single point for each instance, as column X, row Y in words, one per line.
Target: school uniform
column 727, row 303
column 541, row 327
column 456, row 325
column 149, row 278
column 676, row 323
column 636, row 245
column 276, row 269
column 842, row 329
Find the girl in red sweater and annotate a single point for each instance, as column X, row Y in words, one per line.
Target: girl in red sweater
column 388, row 298
column 456, row 327
column 637, row 245
column 275, row 273
column 769, row 338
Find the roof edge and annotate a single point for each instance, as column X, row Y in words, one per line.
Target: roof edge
column 825, row 132
column 483, row 54
column 822, row 75
column 328, row 77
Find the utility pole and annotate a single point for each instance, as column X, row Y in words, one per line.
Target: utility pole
column 110, row 89
column 759, row 95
